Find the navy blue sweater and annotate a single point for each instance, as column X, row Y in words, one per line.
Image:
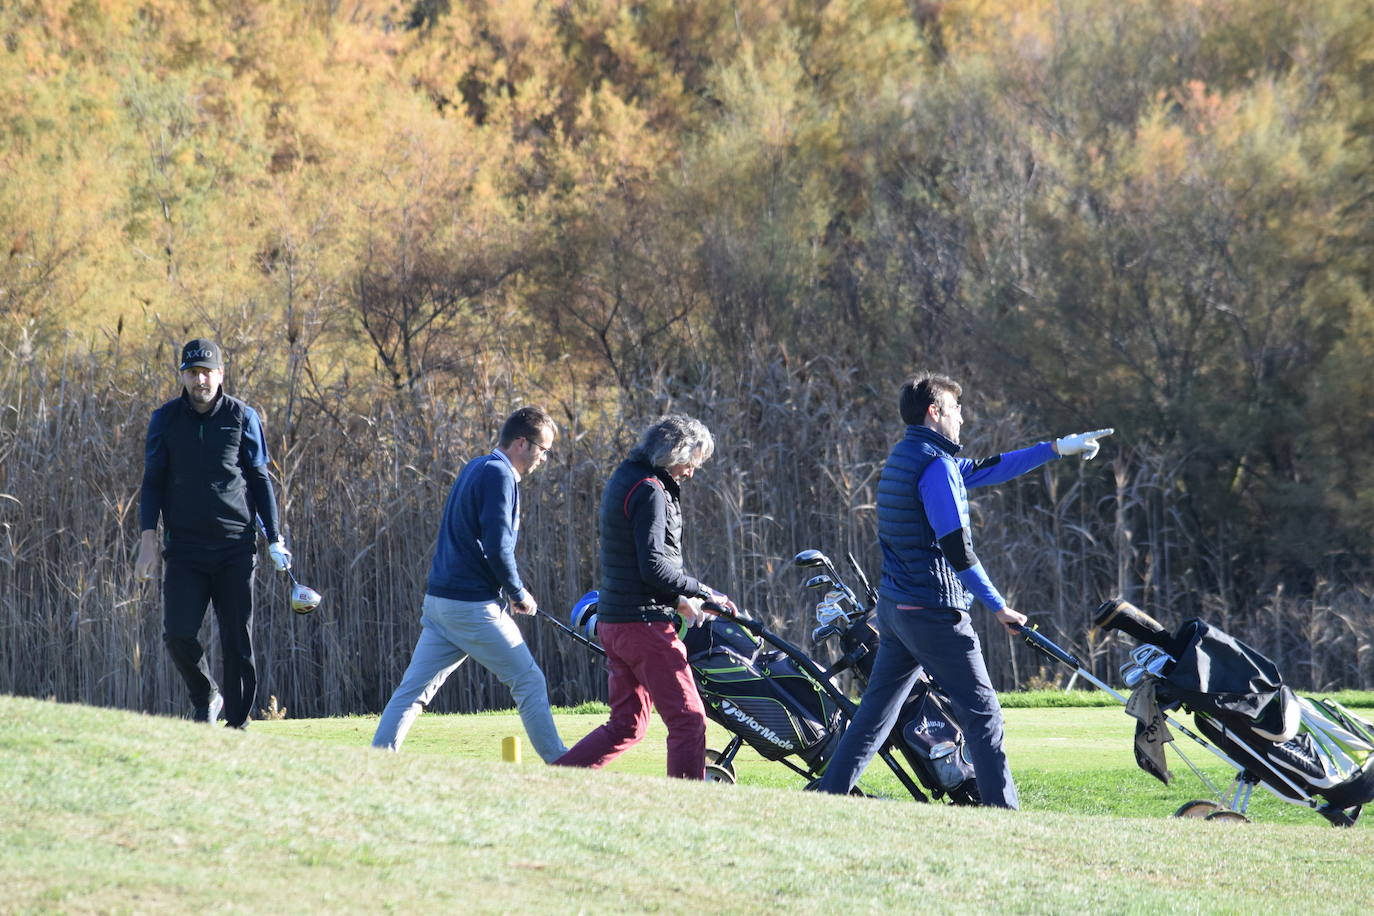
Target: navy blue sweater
column 474, row 558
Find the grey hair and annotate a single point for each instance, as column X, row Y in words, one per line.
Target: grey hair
column 674, row 439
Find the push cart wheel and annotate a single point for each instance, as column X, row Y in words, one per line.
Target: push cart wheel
column 1200, row 808
column 715, row 773
column 1228, row 817
column 716, row 757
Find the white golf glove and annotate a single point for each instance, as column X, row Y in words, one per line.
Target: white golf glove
column 1084, row 444
column 689, row 609
column 279, row 554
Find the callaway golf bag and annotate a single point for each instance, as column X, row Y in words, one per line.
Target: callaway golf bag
column 926, row 734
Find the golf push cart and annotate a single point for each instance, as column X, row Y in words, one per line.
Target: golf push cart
column 772, row 696
column 1309, row 752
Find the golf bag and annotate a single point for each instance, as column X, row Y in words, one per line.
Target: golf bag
column 761, row 694
column 765, row 691
column 926, row 733
column 1301, row 749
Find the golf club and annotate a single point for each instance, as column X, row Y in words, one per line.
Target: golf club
column 823, row 632
column 811, row 558
column 863, row 580
column 570, row 631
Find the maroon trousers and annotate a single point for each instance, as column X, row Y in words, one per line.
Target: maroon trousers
column 648, row 669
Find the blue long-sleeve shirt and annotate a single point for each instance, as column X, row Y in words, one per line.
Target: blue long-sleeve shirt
column 923, row 523
column 474, row 556
column 943, row 489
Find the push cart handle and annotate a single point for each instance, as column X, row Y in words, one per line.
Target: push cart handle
column 1037, row 640
column 720, row 610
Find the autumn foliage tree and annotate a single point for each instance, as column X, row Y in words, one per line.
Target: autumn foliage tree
column 401, row 218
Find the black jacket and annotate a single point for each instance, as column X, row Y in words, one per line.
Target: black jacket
column 206, row 475
column 641, row 546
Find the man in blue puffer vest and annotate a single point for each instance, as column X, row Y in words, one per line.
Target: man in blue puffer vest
column 930, row 578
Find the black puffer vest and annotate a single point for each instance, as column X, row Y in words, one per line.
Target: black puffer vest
column 625, row 595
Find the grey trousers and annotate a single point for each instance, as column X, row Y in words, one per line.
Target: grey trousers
column 452, row 631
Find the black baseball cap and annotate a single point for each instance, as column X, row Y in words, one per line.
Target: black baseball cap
column 201, row 352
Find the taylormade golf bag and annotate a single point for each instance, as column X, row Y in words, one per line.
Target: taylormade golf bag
column 760, row 694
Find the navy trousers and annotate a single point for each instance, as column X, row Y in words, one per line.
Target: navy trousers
column 943, row 641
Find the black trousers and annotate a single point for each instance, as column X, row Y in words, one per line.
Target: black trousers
column 192, row 580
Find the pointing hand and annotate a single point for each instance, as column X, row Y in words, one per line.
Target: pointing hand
column 1084, row 444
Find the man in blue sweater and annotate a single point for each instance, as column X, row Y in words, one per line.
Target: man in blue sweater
column 930, row 578
column 205, row 477
column 474, row 567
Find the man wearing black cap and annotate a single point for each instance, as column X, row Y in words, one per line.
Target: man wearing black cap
column 205, row 475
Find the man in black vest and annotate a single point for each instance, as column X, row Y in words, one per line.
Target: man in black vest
column 205, row 476
column 643, row 589
column 930, row 578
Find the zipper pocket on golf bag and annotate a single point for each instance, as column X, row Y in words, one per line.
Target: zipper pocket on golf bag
column 929, row 729
column 950, row 766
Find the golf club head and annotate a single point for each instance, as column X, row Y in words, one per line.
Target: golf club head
column 830, row 613
column 809, row 558
column 820, row 581
column 303, row 598
column 1150, row 658
column 1131, row 674
column 1157, row 664
column 823, row 632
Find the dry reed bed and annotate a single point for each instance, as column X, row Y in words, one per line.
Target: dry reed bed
column 796, row 467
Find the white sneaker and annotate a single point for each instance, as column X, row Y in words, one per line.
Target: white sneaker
column 209, row 714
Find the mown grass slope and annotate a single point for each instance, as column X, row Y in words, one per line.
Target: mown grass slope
column 115, row 811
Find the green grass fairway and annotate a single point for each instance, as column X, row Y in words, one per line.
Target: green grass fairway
column 108, row 811
column 1069, row 760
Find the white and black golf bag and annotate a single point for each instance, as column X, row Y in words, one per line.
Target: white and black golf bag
column 1299, row 747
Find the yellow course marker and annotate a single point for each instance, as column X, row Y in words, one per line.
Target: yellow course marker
column 510, row 749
